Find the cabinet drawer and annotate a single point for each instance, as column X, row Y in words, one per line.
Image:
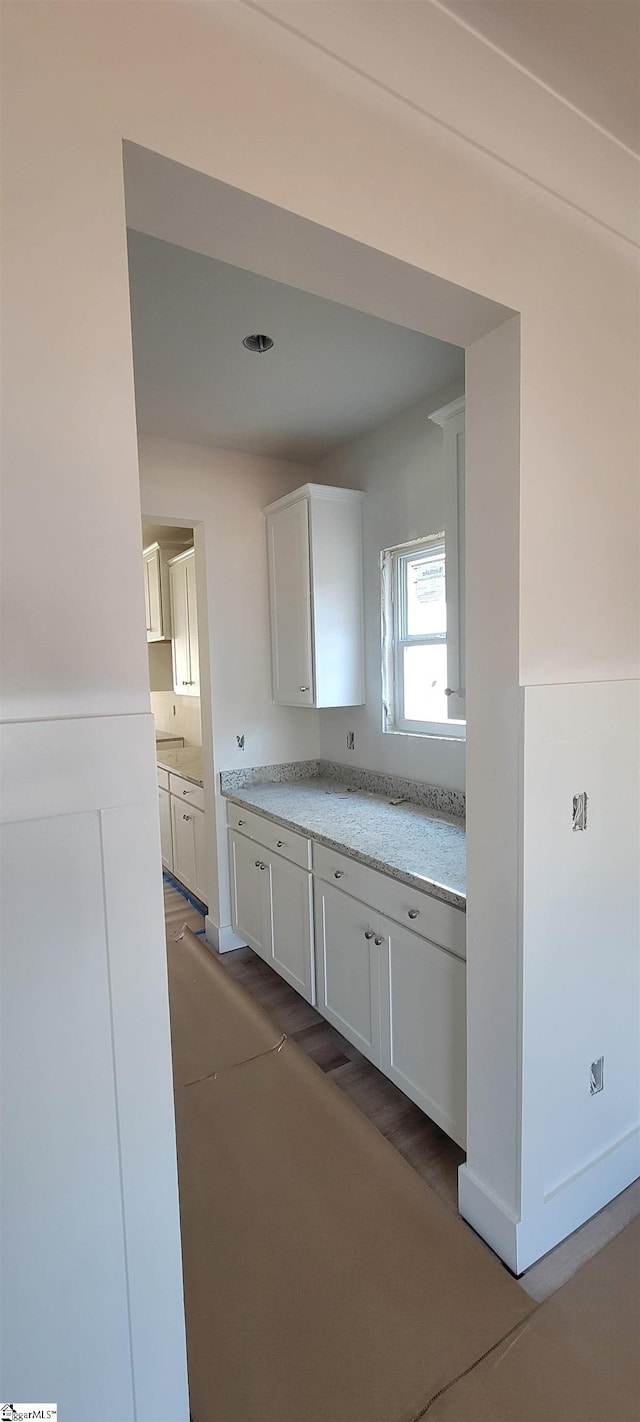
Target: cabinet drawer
column 163, row 778
column 187, row 791
column 286, row 842
column 431, row 918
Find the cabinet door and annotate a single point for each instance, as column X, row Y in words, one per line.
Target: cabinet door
column 348, row 978
column 153, row 595
column 199, row 844
column 184, row 845
column 180, row 628
column 166, row 840
column 251, row 894
column 192, row 627
column 290, row 599
column 292, row 944
column 424, row 1030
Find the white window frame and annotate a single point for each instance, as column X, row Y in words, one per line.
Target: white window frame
column 393, row 561
column 396, row 637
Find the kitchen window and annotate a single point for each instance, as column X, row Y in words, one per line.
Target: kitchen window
column 423, row 686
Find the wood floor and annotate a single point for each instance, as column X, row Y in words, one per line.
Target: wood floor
column 431, row 1153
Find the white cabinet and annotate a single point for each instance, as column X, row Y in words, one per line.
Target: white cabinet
column 399, row 998
column 250, row 894
column 314, row 549
column 271, row 910
column 157, row 602
column 184, row 621
column 380, row 979
column 182, row 830
column 423, row 1019
column 188, row 845
column 291, row 918
column 166, row 839
column 348, row 968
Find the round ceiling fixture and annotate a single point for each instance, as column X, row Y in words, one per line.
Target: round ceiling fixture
column 260, row 344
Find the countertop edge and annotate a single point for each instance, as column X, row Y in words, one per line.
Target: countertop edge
column 431, row 887
column 173, row 770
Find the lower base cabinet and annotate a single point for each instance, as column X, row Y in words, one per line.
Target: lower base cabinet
column 291, row 916
column 395, row 995
column 188, row 841
column 166, row 840
column 348, row 969
column 251, row 895
column 424, row 1025
column 271, row 910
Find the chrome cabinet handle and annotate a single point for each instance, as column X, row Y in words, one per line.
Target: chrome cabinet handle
column 187, row 792
column 378, row 941
column 304, row 688
column 338, row 874
column 257, row 863
column 240, row 822
column 413, row 913
column 187, row 817
column 279, row 843
column 451, row 691
column 369, row 934
column 263, row 867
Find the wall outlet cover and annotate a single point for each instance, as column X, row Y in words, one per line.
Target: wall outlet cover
column 351, row 740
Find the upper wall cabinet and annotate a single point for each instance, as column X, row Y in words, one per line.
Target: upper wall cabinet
column 157, row 604
column 184, row 617
column 314, row 543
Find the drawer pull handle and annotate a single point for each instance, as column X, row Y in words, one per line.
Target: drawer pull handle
column 378, row 941
column 240, row 822
column 279, row 843
column 257, row 863
column 187, row 792
column 414, row 913
column 338, row 873
column 369, row 934
column 263, row 866
column 304, row 688
column 187, row 817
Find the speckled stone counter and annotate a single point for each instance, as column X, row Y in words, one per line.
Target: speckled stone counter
column 185, row 760
column 408, row 842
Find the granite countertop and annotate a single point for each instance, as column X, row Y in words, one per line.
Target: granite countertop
column 184, row 760
column 420, row 847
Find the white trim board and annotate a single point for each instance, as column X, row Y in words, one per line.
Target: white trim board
column 521, row 1243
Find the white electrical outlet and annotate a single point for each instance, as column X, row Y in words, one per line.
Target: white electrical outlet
column 351, row 740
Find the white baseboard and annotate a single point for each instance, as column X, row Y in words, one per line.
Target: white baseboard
column 521, row 1242
column 222, row 937
column 488, row 1216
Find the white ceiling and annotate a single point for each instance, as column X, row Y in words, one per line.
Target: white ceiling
column 332, row 374
column 588, row 51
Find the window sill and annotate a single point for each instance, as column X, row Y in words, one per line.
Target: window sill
column 427, row 735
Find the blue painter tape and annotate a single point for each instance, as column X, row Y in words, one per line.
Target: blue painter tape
column 184, row 893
